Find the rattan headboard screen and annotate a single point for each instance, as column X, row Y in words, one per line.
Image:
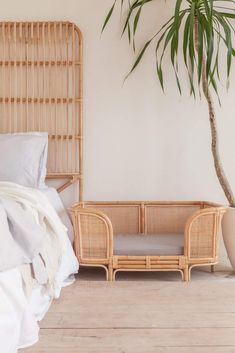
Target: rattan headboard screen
column 41, row 90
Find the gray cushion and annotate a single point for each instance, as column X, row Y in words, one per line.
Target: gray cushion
column 154, row 244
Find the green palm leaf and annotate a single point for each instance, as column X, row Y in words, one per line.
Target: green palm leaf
column 108, row 16
column 213, row 19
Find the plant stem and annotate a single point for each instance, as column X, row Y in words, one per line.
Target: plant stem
column 214, row 132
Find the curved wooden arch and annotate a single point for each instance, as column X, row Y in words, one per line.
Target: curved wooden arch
column 41, row 72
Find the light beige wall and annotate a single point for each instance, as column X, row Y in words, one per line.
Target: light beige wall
column 139, row 142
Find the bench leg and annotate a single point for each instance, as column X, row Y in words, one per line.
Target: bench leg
column 110, row 273
column 212, row 268
column 186, row 274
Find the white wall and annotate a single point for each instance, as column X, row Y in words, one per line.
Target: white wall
column 139, row 142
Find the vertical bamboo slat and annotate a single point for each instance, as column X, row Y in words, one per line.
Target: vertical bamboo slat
column 41, row 90
column 81, row 110
column 10, row 74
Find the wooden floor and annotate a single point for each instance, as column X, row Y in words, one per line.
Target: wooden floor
column 158, row 315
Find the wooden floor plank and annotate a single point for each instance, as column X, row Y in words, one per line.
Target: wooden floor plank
column 122, row 298
column 129, row 341
column 120, row 317
column 141, row 317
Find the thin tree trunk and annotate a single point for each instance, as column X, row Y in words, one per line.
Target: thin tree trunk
column 214, row 133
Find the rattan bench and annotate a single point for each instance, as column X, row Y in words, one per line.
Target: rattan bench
column 147, row 236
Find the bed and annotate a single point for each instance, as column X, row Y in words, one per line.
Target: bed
column 40, row 98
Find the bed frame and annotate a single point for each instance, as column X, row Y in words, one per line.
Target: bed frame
column 41, row 73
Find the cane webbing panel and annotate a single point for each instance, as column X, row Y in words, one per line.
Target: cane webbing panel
column 41, row 89
column 94, row 231
column 202, row 237
column 125, row 219
column 167, row 219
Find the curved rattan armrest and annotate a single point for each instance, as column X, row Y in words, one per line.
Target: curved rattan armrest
column 93, row 234
column 202, row 232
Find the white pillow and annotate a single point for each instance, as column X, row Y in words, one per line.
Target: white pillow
column 23, row 158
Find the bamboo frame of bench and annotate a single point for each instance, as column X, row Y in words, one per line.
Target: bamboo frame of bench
column 96, row 223
column 41, row 71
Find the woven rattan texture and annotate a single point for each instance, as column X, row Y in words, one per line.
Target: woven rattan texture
column 125, row 219
column 167, row 219
column 201, row 241
column 94, row 241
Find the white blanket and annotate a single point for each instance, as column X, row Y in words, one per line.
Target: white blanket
column 21, row 237
column 34, row 228
column 21, row 307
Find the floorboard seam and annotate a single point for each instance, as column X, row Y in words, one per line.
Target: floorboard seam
column 139, row 328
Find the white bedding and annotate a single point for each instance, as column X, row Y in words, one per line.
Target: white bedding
column 18, row 327
column 20, row 309
column 58, row 205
